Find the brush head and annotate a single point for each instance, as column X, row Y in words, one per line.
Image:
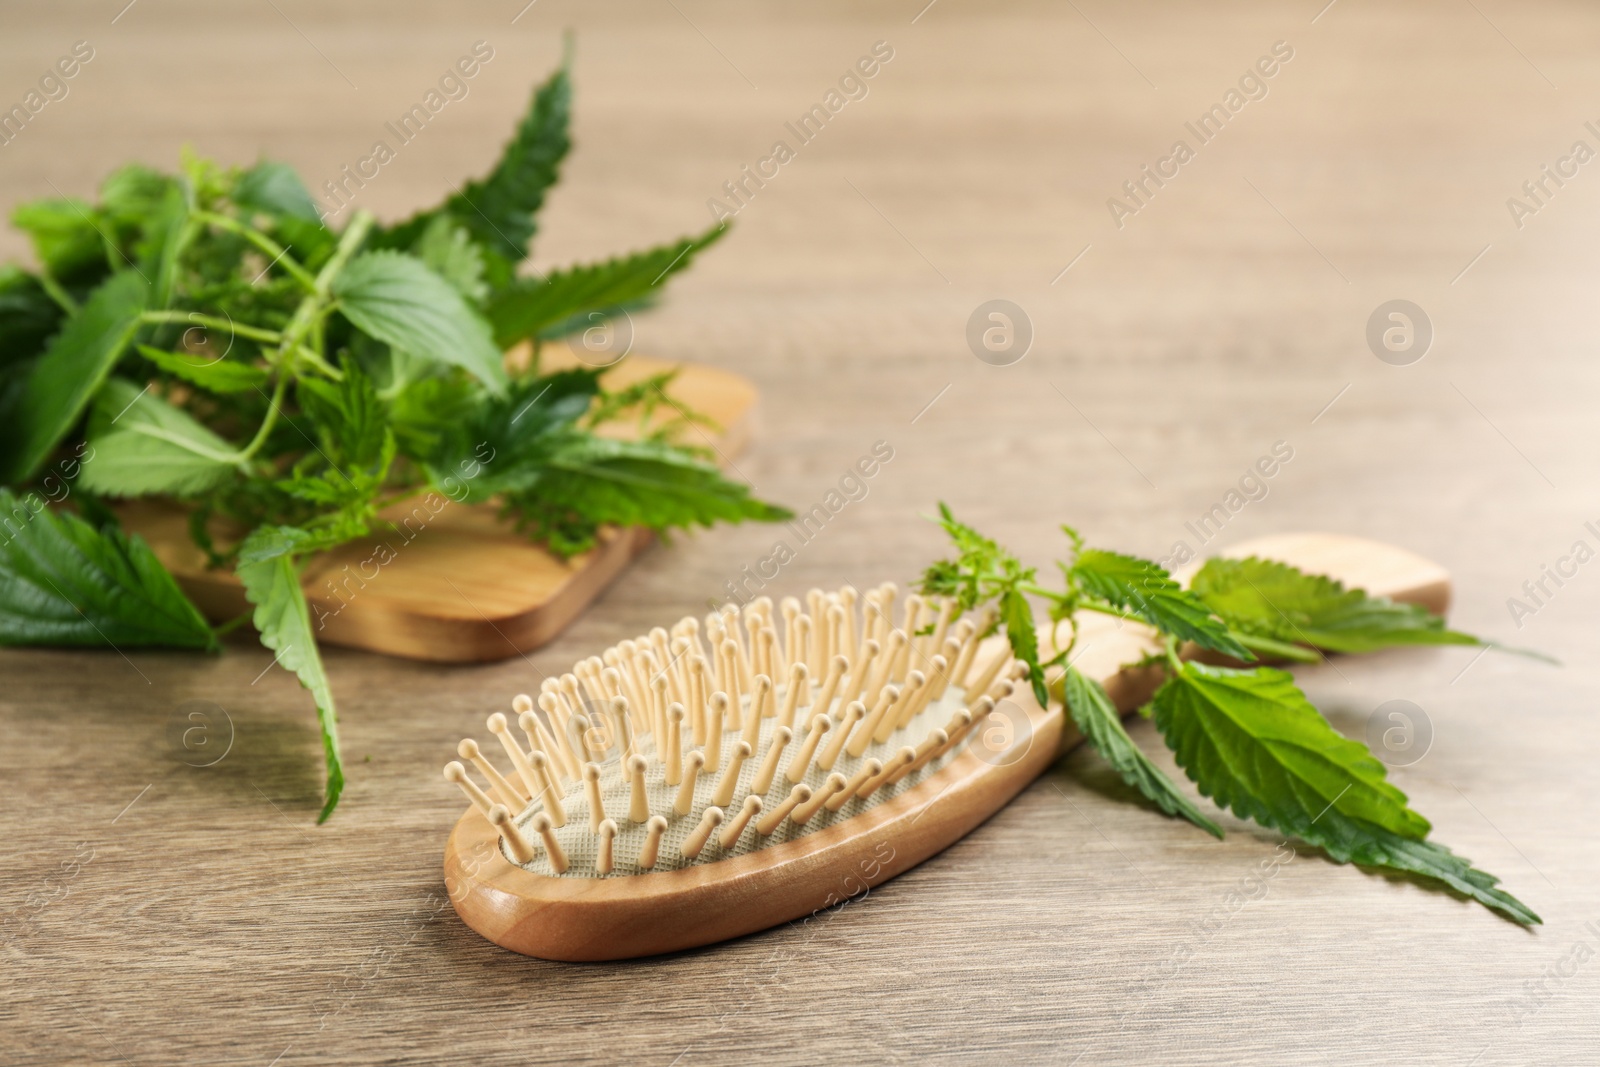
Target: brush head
column 660, row 739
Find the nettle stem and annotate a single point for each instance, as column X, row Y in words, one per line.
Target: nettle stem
column 194, row 318
column 264, row 244
column 291, row 343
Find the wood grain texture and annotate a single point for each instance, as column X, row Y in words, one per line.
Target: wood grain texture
column 215, row 923
column 455, row 583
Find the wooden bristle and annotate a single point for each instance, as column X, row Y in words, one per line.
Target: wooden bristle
column 548, row 790
column 672, row 761
column 709, row 821
column 869, row 729
column 730, row 833
column 603, row 858
column 852, row 718
column 792, row 694
column 468, row 750
column 805, row 812
column 541, row 825
column 455, row 772
column 521, row 851
column 638, row 800
column 691, row 772
column 774, row 818
column 591, row 791
column 760, row 694
column 664, row 724
column 901, row 759
column 769, row 763
column 869, row 769
column 798, row 766
column 730, row 775
column 652, row 841
column 716, row 723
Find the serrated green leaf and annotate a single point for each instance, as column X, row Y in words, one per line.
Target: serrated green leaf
column 447, row 247
column 65, row 234
column 430, row 412
column 349, row 412
column 1097, row 718
column 1145, row 590
column 142, row 444
column 1016, row 614
column 543, row 306
column 499, row 209
column 396, row 299
column 63, row 582
column 504, row 445
column 1253, row 743
column 272, row 584
column 133, row 193
column 593, row 481
column 27, row 318
column 212, row 374
column 1275, row 600
column 274, row 188
column 68, row 374
column 981, row 571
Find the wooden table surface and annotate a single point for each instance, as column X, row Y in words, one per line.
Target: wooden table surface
column 165, row 913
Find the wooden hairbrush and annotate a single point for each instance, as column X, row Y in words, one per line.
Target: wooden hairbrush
column 713, row 780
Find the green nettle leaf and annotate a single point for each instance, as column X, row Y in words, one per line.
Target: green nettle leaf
column 499, row 209
column 68, row 374
column 447, row 247
column 1275, row 600
column 350, row 413
column 212, row 374
column 142, row 444
column 272, row 584
column 133, row 193
column 27, row 317
column 981, row 571
column 505, row 444
column 1147, row 591
column 1097, row 718
column 63, row 582
column 65, row 235
column 167, row 232
column 1253, row 743
column 593, row 481
column 1017, row 615
column 396, row 299
column 274, row 188
column 562, row 301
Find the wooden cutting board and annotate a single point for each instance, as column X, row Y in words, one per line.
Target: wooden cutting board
column 466, row 587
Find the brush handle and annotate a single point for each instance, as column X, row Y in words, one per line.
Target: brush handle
column 582, row 919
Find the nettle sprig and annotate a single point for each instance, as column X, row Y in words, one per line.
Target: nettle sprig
column 1245, row 735
column 206, row 338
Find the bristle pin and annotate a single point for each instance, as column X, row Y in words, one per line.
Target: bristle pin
column 689, row 744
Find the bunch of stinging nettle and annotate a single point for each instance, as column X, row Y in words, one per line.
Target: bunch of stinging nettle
column 1246, row 735
column 205, row 338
